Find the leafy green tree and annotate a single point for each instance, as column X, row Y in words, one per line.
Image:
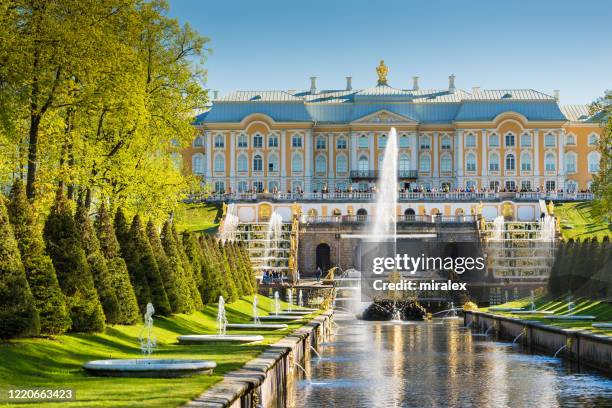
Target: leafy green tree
column 48, row 297
column 98, row 267
column 18, row 314
column 128, row 305
column 601, row 110
column 183, row 290
column 63, row 243
column 167, row 273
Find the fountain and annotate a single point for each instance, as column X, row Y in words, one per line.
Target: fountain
column 230, row 224
column 276, row 303
column 300, row 299
column 290, row 299
column 257, row 324
column 221, row 337
column 498, row 230
column 148, row 367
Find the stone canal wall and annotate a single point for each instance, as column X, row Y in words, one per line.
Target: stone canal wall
column 265, row 380
column 581, row 346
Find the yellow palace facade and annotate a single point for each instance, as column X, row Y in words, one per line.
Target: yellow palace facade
column 449, row 140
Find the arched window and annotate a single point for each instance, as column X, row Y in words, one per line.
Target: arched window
column 549, row 140
column 404, row 141
column 296, row 141
column 594, row 159
column 243, row 163
column 425, row 163
column 525, row 140
column 510, row 162
column 341, row 143
column 219, row 142
column 273, row 141
column 257, row 141
column 510, row 142
column 525, row 162
column 382, row 141
column 219, row 163
column 570, row 140
column 197, row 163
column 549, row 162
column 364, row 163
column 243, row 186
column 219, row 187
column 446, row 163
column 470, row 140
column 321, row 143
column 243, row 141
column 341, row 166
column 425, row 142
column 199, row 141
column 494, row 162
column 297, row 164
column 321, row 164
column 446, row 143
column 257, row 163
column 494, row 140
column 593, row 139
column 570, row 162
column 470, row 162
column 404, row 163
column 273, row 162
column 363, row 142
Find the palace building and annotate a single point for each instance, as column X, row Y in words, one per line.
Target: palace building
column 449, row 140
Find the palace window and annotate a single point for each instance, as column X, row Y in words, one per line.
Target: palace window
column 446, row 143
column 296, row 141
column 526, row 185
column 404, row 142
column 494, row 185
column 551, row 185
column 273, row 163
column 321, row 143
column 243, row 186
column 525, row 140
column 199, row 141
column 297, row 164
column 525, row 162
column 197, row 163
column 510, row 185
column 219, row 187
column 446, row 163
column 425, row 163
column 404, row 163
column 570, row 140
column 219, row 142
column 273, row 186
column 494, row 162
column 341, row 166
column 364, row 164
column 510, row 162
column 257, row 163
column 258, row 186
column 321, row 165
column 219, row 163
column 243, row 141
column 273, row 141
column 382, row 142
column 363, row 142
column 470, row 140
column 570, row 163
column 296, row 186
column 593, row 140
column 549, row 162
column 341, row 143
column 243, row 163
column 593, row 159
column 494, row 140
column 549, row 140
column 470, row 185
column 571, row 186
column 258, row 141
column 509, row 140
column 425, row 142
column 470, row 162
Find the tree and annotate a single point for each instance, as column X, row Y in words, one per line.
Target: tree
column 97, row 266
column 601, row 110
column 143, row 268
column 167, row 273
column 184, row 297
column 18, row 314
column 48, row 297
column 128, row 305
column 190, row 274
column 63, row 243
column 211, row 272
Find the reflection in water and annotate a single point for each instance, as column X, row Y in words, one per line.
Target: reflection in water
column 427, row 365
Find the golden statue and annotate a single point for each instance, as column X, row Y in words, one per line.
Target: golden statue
column 508, row 210
column 382, row 70
column 296, row 210
column 224, row 211
column 479, row 208
column 550, row 207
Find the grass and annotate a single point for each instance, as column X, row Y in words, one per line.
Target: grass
column 601, row 310
column 56, row 362
column 197, row 217
column 579, row 221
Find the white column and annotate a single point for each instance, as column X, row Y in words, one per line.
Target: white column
column 372, row 151
column 283, row 161
column 414, row 146
column 484, row 171
column 233, row 160
column 536, row 153
column 209, row 152
column 561, row 159
column 330, row 158
column 308, row 161
column 459, row 154
column 354, row 144
column 434, row 163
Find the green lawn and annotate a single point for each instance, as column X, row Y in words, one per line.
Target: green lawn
column 601, row 310
column 56, row 363
column 578, row 221
column 197, row 217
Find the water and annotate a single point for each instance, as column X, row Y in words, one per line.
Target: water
column 230, row 224
column 276, row 303
column 147, row 340
column 274, row 234
column 255, row 311
column 498, row 229
column 221, row 318
column 290, row 299
column 439, row 365
column 384, row 226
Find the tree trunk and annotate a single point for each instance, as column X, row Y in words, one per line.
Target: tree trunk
column 32, row 156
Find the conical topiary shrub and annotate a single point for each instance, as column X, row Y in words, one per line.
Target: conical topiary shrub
column 184, row 298
column 166, row 272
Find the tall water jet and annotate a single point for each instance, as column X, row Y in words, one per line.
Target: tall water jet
column 300, row 298
column 276, row 303
column 290, row 299
column 221, row 318
column 273, row 240
column 384, row 223
column 146, row 339
column 498, row 229
column 230, row 224
column 255, row 311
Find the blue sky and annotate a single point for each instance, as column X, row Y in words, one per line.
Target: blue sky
column 272, row 44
